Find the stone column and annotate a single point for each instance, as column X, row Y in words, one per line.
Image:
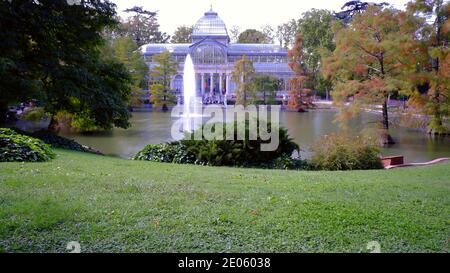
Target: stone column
column 227, row 83
column 220, row 87
column 211, row 84
column 172, row 82
column 202, row 84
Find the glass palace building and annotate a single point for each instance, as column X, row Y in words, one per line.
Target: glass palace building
column 214, row 58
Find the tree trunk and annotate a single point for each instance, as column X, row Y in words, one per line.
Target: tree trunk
column 53, row 125
column 385, row 136
column 437, row 123
column 385, row 121
column 3, row 111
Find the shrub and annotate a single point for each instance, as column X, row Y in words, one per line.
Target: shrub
column 34, row 114
column 15, row 147
column 173, row 152
column 83, row 123
column 244, row 153
column 80, row 122
column 346, row 152
column 54, row 140
column 288, row 163
column 63, row 120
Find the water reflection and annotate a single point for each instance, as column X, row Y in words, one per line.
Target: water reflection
column 304, row 128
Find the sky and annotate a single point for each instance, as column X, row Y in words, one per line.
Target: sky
column 243, row 13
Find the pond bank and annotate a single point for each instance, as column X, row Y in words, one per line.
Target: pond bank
column 152, row 127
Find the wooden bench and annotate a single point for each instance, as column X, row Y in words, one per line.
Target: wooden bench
column 392, row 160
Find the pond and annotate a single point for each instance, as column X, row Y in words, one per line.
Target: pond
column 304, row 128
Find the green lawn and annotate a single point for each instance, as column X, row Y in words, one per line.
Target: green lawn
column 116, row 205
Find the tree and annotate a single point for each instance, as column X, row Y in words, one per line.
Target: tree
column 234, row 33
column 243, row 75
column 140, row 10
column 298, row 92
column 269, row 33
column 351, row 8
column 143, row 27
column 183, row 34
column 50, row 51
column 371, row 59
column 316, row 29
column 126, row 51
column 161, row 75
column 253, row 36
column 432, row 83
column 286, row 33
column 268, row 85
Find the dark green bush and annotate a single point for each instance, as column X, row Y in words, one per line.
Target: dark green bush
column 288, row 163
column 244, row 153
column 346, row 152
column 54, row 140
column 34, row 114
column 173, row 152
column 15, row 147
column 80, row 122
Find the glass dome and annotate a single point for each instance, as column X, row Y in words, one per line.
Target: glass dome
column 208, row 54
column 210, row 25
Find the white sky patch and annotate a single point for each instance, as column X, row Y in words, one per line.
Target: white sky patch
column 243, row 13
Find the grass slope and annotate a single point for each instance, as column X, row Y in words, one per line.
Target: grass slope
column 115, row 205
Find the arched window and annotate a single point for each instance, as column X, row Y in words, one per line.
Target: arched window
column 208, row 54
column 178, row 83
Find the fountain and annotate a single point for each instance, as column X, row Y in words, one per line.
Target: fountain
column 192, row 104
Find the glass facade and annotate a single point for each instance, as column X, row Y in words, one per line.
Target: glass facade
column 208, row 54
column 214, row 57
column 260, row 58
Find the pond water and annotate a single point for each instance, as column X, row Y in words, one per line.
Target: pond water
column 304, row 128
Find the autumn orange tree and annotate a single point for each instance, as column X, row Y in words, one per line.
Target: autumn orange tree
column 431, row 90
column 299, row 98
column 370, row 63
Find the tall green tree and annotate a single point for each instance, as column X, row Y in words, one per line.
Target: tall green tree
column 268, row 85
column 370, row 61
column 253, row 36
column 161, row 75
column 316, row 29
column 111, row 33
column 432, row 92
column 243, row 75
column 143, row 27
column 126, row 51
column 183, row 34
column 286, row 33
column 50, row 51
